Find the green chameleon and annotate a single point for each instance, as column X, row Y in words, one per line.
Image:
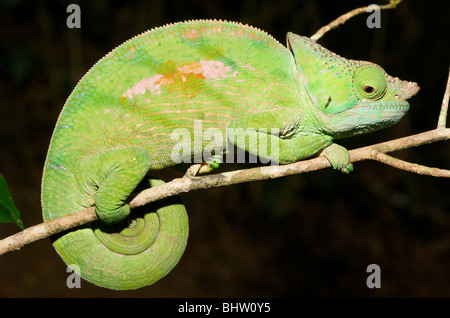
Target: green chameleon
column 119, row 123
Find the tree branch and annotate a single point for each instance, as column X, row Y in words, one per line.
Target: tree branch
column 190, row 183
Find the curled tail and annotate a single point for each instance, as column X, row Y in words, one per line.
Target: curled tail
column 121, row 250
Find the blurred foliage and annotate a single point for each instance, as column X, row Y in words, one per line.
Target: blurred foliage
column 8, row 209
column 306, row 235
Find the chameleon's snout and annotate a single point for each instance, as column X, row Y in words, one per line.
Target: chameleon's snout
column 405, row 90
column 411, row 89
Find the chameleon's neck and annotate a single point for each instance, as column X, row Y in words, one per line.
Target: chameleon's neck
column 340, row 125
column 337, row 125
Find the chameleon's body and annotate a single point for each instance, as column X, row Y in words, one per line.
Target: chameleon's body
column 119, row 121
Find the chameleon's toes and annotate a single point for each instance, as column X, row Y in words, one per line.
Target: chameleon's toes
column 338, row 157
column 205, row 168
column 347, row 169
column 213, row 163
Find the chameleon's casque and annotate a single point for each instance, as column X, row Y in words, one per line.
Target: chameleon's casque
column 119, row 121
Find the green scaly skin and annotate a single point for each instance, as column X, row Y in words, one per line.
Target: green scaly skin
column 118, row 122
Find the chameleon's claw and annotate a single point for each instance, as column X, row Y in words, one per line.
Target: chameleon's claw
column 205, row 168
column 211, row 164
column 347, row 169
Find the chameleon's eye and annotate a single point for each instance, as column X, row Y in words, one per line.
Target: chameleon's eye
column 370, row 82
column 368, row 89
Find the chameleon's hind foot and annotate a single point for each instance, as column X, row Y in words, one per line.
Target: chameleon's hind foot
column 112, row 177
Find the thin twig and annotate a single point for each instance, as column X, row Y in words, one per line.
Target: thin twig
column 411, row 167
column 343, row 18
column 444, row 108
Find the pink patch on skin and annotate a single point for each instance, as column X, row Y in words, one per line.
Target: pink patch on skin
column 150, row 84
column 203, row 69
column 208, row 69
column 249, row 67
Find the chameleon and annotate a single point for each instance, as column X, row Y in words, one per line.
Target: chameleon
column 119, row 124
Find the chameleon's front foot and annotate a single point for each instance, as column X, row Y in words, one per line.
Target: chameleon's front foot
column 339, row 158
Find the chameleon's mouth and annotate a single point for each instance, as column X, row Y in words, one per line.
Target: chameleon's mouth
column 371, row 116
column 389, row 108
column 381, row 115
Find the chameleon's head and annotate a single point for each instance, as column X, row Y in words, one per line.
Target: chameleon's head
column 352, row 97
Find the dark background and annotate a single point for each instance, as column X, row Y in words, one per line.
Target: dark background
column 305, row 235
